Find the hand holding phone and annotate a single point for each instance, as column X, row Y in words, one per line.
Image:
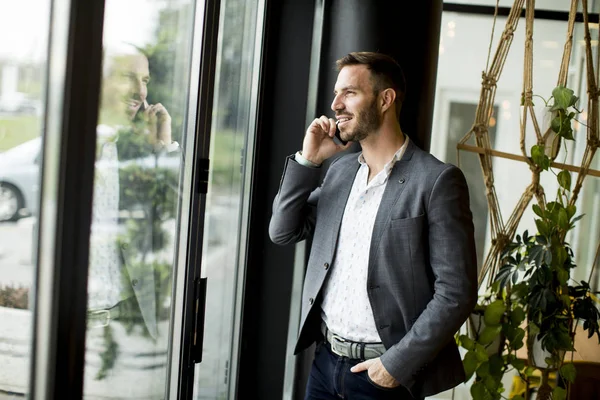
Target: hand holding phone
column 320, row 141
column 338, row 137
column 158, row 120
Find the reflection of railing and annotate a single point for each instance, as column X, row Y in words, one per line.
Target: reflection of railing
column 15, row 349
column 138, row 372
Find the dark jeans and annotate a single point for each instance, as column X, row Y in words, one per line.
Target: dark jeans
column 330, row 379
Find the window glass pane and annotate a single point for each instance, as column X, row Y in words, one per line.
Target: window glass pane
column 464, row 43
column 24, row 29
column 551, row 5
column 459, row 121
column 135, row 220
column 586, row 235
column 231, row 138
column 463, row 57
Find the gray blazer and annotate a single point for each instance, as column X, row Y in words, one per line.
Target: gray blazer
column 422, row 273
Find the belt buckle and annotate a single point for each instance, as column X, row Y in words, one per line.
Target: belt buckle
column 336, row 345
column 99, row 314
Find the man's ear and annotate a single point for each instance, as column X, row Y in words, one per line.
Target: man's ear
column 386, row 99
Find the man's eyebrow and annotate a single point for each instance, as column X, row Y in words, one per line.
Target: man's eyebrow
column 345, row 88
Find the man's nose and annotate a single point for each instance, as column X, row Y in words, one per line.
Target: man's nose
column 336, row 104
column 138, row 89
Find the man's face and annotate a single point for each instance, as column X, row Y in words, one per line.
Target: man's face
column 134, row 89
column 355, row 103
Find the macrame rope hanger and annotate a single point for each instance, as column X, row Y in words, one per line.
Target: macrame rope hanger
column 502, row 233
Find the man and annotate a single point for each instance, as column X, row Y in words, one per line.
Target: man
column 118, row 283
column 135, row 74
column 392, row 270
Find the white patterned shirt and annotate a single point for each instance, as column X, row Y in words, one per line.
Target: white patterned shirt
column 105, row 281
column 346, row 308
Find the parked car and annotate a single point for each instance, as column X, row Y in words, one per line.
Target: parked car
column 19, row 180
column 19, row 103
column 20, row 175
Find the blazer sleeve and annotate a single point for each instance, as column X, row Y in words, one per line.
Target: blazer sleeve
column 453, row 261
column 295, row 205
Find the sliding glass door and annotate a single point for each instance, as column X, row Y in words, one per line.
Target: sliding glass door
column 126, row 143
column 141, row 145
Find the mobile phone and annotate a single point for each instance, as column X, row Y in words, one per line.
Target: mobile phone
column 141, row 109
column 337, row 139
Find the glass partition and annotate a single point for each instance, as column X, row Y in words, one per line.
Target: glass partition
column 135, row 210
column 23, row 68
column 232, row 141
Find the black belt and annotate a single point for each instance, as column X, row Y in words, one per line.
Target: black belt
column 348, row 348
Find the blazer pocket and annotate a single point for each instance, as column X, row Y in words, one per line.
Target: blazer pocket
column 408, row 223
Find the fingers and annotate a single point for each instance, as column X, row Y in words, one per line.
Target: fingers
column 363, row 366
column 157, row 110
column 325, row 125
column 159, row 122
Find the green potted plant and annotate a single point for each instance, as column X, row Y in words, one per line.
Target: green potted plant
column 533, row 300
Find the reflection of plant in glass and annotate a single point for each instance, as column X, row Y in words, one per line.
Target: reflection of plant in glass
column 533, row 295
column 14, row 296
column 110, row 353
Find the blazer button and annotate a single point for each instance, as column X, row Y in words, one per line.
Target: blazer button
column 311, row 301
column 326, row 266
column 401, row 180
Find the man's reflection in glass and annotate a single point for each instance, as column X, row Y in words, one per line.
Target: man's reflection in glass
column 136, row 74
column 122, row 281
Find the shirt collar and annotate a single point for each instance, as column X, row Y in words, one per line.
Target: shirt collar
column 397, row 156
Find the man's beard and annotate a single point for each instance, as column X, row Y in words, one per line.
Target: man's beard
column 368, row 120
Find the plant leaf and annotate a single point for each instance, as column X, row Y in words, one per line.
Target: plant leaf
column 563, row 97
column 564, row 179
column 563, row 276
column 567, row 131
column 491, row 384
column 563, row 219
column 504, row 275
column 577, row 218
column 493, row 313
column 568, row 371
column 481, row 352
column 517, row 341
column 556, row 124
column 542, row 227
column 489, row 333
column 536, row 253
column 466, row 342
column 541, row 240
column 571, row 209
column 470, row 363
column 559, row 393
column 483, row 370
column 539, row 157
column 478, row 391
column 517, row 315
column 518, row 364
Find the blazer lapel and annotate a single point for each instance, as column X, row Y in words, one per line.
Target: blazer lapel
column 397, row 181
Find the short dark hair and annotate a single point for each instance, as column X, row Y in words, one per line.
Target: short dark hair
column 385, row 72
